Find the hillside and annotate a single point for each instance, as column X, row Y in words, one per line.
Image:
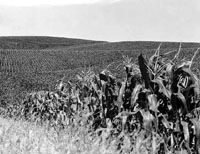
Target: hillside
column 40, row 42
column 46, row 42
column 133, row 45
column 172, row 94
column 47, row 59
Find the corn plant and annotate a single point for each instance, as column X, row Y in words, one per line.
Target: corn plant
column 158, row 99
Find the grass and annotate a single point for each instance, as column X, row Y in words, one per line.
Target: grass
column 23, row 137
column 19, row 137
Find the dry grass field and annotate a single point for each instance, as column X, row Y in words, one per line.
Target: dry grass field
column 19, row 137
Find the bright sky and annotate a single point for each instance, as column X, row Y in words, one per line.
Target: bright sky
column 49, row 2
column 109, row 20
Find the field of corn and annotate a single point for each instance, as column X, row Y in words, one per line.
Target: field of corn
column 152, row 106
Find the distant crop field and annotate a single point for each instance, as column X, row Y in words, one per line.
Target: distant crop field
column 76, row 83
column 48, row 61
column 154, row 108
column 26, row 70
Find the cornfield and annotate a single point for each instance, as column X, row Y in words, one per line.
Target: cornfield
column 158, row 100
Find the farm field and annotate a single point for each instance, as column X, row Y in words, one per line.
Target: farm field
column 32, row 98
column 34, row 68
column 40, row 42
column 28, row 70
column 37, row 64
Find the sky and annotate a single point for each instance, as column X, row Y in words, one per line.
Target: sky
column 107, row 20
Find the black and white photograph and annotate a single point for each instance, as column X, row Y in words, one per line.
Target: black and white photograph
column 99, row 77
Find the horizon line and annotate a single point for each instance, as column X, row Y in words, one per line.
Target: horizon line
column 108, row 41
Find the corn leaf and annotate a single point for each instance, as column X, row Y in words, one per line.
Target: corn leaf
column 162, row 88
column 144, row 70
column 181, row 97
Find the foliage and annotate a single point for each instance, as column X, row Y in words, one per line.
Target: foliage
column 155, row 108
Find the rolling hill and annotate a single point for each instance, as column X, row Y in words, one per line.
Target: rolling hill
column 132, row 45
column 40, row 42
column 46, row 42
column 36, row 63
